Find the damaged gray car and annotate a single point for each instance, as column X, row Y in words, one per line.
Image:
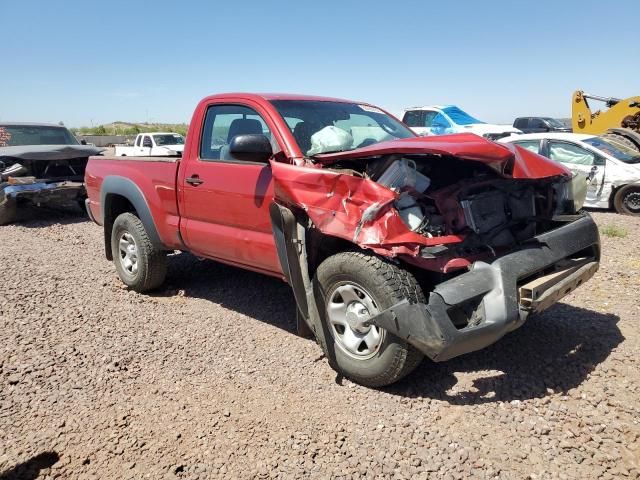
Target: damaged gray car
column 40, row 164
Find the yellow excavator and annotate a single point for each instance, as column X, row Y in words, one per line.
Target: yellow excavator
column 620, row 121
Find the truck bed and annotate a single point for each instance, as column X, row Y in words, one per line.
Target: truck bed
column 131, row 176
column 138, row 159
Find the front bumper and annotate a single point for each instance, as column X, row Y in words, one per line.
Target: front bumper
column 488, row 301
column 39, row 193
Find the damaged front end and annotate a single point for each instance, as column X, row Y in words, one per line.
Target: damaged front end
column 41, row 175
column 496, row 230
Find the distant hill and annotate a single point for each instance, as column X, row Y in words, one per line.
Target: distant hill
column 130, row 128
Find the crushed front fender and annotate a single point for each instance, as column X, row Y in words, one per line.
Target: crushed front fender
column 350, row 207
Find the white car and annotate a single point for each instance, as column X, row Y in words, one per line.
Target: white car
column 443, row 120
column 155, row 144
column 613, row 169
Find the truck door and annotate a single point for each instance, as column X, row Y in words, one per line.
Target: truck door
column 225, row 202
column 145, row 146
column 579, row 159
column 428, row 126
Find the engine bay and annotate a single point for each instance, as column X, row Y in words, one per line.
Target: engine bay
column 439, row 196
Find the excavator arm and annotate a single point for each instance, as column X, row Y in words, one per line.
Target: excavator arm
column 620, row 121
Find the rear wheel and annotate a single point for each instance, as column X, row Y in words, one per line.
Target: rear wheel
column 615, row 137
column 140, row 265
column 627, row 200
column 349, row 288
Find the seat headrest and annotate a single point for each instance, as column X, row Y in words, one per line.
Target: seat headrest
column 243, row 126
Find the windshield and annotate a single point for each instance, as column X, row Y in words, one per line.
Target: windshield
column 324, row 127
column 18, row 135
column 555, row 123
column 615, row 149
column 460, row 117
column 168, row 139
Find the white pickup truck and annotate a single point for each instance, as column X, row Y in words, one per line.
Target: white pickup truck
column 447, row 119
column 155, row 144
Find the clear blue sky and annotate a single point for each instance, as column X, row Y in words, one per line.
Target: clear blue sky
column 131, row 60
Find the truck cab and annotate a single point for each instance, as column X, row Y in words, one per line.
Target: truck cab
column 155, row 144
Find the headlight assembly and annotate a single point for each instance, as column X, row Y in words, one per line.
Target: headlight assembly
column 571, row 194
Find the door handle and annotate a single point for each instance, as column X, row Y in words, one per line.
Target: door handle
column 194, row 180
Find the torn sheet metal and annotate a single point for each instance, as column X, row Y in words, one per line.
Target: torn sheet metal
column 350, row 207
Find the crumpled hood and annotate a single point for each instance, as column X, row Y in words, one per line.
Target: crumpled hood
column 49, row 152
column 468, row 146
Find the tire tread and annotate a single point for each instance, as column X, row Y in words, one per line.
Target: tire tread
column 155, row 260
column 402, row 285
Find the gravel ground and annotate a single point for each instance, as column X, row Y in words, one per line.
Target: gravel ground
column 207, row 379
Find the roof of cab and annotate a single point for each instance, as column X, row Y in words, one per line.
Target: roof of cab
column 281, row 96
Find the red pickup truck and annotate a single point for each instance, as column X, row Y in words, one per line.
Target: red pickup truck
column 395, row 246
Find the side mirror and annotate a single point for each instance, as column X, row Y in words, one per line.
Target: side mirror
column 251, row 148
column 83, row 142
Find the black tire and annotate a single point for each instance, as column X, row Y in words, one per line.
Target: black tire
column 627, row 200
column 387, row 284
column 151, row 263
column 8, row 212
column 615, row 137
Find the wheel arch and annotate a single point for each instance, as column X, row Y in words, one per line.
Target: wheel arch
column 120, row 195
column 300, row 250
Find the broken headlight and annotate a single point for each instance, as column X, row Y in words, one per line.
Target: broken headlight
column 571, row 194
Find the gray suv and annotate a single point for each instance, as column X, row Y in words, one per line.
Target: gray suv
column 540, row 124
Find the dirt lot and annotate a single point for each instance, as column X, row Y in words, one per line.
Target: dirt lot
column 207, row 379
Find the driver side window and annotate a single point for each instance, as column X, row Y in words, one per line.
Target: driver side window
column 428, row 118
column 537, row 123
column 565, row 152
column 224, row 122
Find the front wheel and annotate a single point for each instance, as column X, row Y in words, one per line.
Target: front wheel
column 140, row 265
column 627, row 200
column 349, row 288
